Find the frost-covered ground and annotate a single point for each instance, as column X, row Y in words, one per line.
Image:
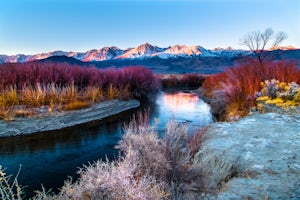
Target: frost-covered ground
column 63, row 119
column 257, row 157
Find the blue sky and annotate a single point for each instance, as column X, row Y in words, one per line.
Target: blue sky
column 35, row 26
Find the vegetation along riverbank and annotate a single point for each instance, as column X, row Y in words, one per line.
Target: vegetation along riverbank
column 26, row 88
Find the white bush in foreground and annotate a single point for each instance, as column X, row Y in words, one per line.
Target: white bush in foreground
column 9, row 191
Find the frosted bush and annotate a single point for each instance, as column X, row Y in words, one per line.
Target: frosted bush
column 9, row 190
column 273, row 88
column 149, row 167
column 293, row 89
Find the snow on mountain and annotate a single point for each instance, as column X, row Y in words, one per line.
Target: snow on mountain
column 14, row 59
column 290, row 47
column 141, row 51
column 145, row 50
column 229, row 52
column 77, row 55
column 106, row 53
column 46, row 55
column 183, row 50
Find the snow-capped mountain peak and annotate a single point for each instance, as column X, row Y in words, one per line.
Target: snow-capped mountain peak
column 142, row 51
column 106, row 53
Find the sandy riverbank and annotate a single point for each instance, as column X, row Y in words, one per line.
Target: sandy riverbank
column 63, row 119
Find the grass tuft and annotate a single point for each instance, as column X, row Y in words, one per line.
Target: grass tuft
column 76, row 105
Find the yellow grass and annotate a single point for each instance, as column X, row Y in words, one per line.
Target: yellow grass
column 55, row 97
column 75, row 105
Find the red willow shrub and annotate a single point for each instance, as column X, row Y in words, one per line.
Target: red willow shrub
column 139, row 79
column 233, row 91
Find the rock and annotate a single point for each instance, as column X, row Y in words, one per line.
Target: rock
column 63, row 119
column 257, row 157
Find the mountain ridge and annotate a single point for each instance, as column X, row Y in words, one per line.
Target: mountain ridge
column 145, row 50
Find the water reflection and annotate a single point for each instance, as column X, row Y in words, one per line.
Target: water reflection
column 49, row 158
column 181, row 101
column 184, row 107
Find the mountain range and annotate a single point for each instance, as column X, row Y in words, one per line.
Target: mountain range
column 178, row 58
column 145, row 50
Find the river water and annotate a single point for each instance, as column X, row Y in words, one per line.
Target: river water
column 49, row 158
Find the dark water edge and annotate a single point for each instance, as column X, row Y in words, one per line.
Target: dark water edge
column 45, row 156
column 49, row 158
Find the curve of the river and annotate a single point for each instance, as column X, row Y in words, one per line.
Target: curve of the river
column 48, row 158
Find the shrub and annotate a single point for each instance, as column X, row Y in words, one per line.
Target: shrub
column 141, row 145
column 9, row 190
column 9, row 98
column 297, row 97
column 112, row 92
column 20, row 75
column 75, row 105
column 194, row 141
column 149, row 167
column 112, row 180
column 33, row 96
column 93, row 94
column 279, row 94
column 56, row 85
column 239, row 85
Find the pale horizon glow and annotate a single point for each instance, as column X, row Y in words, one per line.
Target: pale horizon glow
column 34, row 26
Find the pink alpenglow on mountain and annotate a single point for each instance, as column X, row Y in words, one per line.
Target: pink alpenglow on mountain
column 143, row 51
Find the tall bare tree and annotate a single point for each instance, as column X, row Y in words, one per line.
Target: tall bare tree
column 258, row 42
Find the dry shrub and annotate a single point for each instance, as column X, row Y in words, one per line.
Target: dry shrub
column 112, row 180
column 33, row 96
column 75, row 105
column 147, row 152
column 112, row 92
column 53, row 94
column 235, row 89
column 93, row 94
column 69, row 93
column 125, row 93
column 194, row 141
column 149, row 167
column 9, row 190
column 8, row 98
column 177, row 153
column 67, row 80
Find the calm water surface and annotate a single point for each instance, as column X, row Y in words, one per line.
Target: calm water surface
column 49, row 158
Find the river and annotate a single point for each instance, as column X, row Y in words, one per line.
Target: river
column 49, row 158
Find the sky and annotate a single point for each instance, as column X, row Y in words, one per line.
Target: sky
column 36, row 26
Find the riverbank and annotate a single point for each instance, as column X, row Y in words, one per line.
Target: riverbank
column 253, row 158
column 62, row 119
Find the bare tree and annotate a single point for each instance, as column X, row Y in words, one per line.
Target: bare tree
column 258, row 42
